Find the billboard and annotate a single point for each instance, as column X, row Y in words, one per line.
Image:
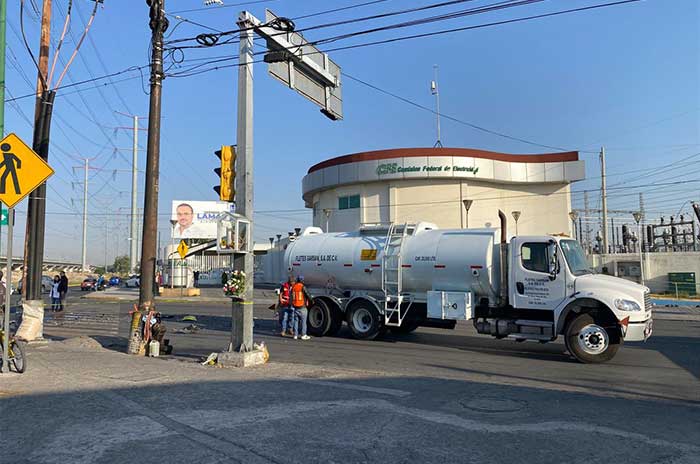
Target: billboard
column 196, row 219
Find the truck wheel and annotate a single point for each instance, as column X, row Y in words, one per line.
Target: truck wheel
column 336, row 320
column 588, row 342
column 364, row 321
column 319, row 321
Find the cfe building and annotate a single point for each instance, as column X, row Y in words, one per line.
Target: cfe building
column 438, row 184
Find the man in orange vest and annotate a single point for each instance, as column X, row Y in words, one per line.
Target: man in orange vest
column 285, row 308
column 300, row 302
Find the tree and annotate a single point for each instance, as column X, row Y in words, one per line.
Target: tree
column 121, row 264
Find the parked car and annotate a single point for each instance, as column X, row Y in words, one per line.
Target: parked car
column 88, row 284
column 133, row 281
column 114, row 281
column 46, row 283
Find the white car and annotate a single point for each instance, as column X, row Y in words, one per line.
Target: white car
column 46, row 283
column 133, row 281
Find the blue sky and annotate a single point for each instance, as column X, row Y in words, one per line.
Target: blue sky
column 625, row 77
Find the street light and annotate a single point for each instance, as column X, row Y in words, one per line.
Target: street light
column 467, row 205
column 516, row 216
column 327, row 212
column 173, row 222
column 637, row 215
column 574, row 215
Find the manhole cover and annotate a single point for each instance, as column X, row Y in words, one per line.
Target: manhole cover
column 493, row 404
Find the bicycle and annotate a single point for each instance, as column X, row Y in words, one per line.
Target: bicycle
column 16, row 353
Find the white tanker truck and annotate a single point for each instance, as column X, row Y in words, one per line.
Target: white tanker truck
column 400, row 277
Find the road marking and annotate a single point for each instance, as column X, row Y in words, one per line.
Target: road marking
column 363, row 388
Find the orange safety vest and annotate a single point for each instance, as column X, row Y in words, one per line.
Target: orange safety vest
column 298, row 299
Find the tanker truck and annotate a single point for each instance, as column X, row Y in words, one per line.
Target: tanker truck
column 401, row 276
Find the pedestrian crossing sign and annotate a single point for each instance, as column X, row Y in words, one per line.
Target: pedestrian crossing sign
column 21, row 170
column 182, row 249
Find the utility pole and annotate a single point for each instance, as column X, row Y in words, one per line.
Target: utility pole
column 586, row 213
column 133, row 250
column 604, row 193
column 242, row 330
column 158, row 24
column 85, row 207
column 641, row 220
column 36, row 206
column 436, row 91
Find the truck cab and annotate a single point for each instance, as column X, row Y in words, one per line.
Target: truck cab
column 549, row 279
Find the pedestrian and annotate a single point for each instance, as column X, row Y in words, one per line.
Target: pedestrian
column 196, row 278
column 63, row 289
column 3, row 291
column 285, row 313
column 224, row 278
column 56, row 294
column 300, row 301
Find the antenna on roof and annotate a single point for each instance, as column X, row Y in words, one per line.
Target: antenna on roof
column 435, row 91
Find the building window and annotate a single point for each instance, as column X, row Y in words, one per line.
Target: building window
column 350, row 202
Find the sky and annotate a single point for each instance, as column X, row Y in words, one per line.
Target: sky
column 624, row 77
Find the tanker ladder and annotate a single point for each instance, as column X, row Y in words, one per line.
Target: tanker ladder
column 392, row 281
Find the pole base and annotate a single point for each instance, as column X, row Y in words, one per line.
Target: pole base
column 246, row 359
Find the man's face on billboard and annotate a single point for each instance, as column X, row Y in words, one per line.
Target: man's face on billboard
column 184, row 215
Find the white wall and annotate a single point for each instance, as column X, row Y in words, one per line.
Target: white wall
column 544, row 207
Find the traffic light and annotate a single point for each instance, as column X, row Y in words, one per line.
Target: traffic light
column 227, row 173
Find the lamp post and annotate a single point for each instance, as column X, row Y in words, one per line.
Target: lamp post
column 327, row 212
column 574, row 215
column 637, row 215
column 173, row 222
column 516, row 216
column 467, row 205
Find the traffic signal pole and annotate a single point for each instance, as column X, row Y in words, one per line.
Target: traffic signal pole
column 242, row 317
column 158, row 24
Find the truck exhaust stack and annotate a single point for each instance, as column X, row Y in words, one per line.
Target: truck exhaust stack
column 504, row 257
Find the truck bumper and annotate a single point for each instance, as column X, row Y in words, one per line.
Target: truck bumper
column 639, row 331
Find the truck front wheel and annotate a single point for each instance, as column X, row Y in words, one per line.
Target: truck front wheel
column 588, row 342
column 364, row 320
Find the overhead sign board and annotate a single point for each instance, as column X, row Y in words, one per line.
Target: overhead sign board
column 302, row 70
column 196, row 219
column 21, row 170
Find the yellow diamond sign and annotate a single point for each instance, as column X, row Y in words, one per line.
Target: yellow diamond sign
column 21, row 170
column 182, row 249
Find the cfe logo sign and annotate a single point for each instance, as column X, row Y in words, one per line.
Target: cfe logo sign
column 21, row 170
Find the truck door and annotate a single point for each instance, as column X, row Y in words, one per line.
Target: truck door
column 537, row 280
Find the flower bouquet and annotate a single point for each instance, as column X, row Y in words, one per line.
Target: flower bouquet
column 235, row 285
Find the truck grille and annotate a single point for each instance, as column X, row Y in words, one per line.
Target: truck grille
column 647, row 301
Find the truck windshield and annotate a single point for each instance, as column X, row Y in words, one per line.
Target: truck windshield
column 575, row 258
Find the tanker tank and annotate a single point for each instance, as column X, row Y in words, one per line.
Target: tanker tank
column 450, row 260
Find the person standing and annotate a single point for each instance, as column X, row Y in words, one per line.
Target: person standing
column 300, row 302
column 63, row 289
column 224, row 278
column 55, row 294
column 285, row 308
column 195, row 274
column 3, row 292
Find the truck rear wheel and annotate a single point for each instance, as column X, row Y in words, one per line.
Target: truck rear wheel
column 319, row 318
column 588, row 342
column 364, row 320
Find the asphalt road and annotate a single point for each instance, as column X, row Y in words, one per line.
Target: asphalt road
column 666, row 367
column 430, row 397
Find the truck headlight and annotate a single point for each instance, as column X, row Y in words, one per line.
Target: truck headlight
column 627, row 305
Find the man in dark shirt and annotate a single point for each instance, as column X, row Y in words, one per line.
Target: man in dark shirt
column 62, row 289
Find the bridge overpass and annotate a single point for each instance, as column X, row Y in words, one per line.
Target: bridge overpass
column 49, row 265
